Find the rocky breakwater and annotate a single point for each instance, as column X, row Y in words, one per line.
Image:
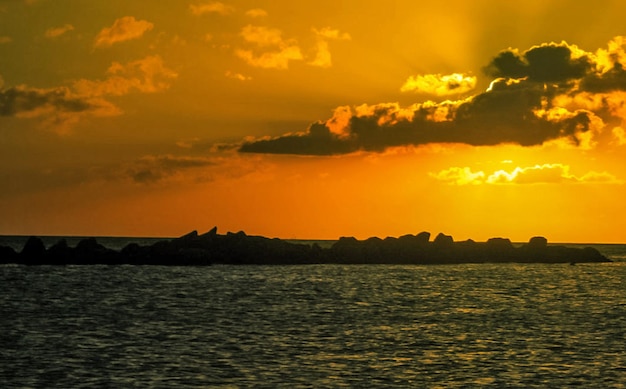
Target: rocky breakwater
column 241, row 249
column 419, row 249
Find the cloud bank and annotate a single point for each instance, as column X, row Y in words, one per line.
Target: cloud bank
column 550, row 92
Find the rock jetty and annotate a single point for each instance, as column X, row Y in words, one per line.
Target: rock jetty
column 195, row 249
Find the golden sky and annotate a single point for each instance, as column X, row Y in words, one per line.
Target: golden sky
column 314, row 119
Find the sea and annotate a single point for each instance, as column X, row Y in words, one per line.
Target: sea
column 314, row 326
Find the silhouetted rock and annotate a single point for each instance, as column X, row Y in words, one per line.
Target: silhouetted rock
column 134, row 254
column 241, row 249
column 192, row 257
column 537, row 242
column 8, row 255
column 210, row 234
column 442, row 240
column 500, row 250
column 190, row 236
column 33, row 252
column 89, row 251
column 60, row 253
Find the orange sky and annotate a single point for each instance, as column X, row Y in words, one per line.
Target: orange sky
column 313, row 119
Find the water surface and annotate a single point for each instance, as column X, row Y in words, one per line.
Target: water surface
column 479, row 325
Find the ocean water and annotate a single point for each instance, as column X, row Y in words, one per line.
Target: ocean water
column 314, row 326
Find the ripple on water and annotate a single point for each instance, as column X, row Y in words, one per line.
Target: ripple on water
column 314, row 326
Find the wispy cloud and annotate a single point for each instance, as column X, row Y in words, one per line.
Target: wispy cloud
column 215, row 7
column 150, row 169
column 256, row 13
column 147, row 75
column 237, row 76
column 58, row 31
column 262, row 36
column 323, row 56
column 269, row 50
column 539, row 174
column 123, row 29
column 331, row 33
column 5, row 39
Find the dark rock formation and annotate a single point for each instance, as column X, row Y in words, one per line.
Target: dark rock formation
column 537, row 242
column 59, row 253
column 195, row 249
column 8, row 255
column 33, row 252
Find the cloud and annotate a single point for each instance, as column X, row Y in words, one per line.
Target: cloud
column 22, row 99
column 459, row 176
column 270, row 50
column 150, row 169
column 62, row 107
column 212, row 7
column 331, row 33
column 58, row 31
column 147, row 75
column 502, row 115
column 273, row 59
column 5, row 39
column 608, row 73
column 549, row 62
column 440, row 85
column 262, row 36
column 256, row 13
column 266, row 47
column 123, row 29
column 554, row 92
column 58, row 108
column 618, row 133
column 323, row 57
column 539, row 174
column 237, row 76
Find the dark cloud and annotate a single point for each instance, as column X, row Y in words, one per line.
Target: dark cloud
column 503, row 114
column 20, row 99
column 519, row 107
column 613, row 80
column 62, row 107
column 317, row 141
column 151, row 169
column 546, row 63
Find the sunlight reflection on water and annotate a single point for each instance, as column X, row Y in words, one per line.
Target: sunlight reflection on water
column 484, row 325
